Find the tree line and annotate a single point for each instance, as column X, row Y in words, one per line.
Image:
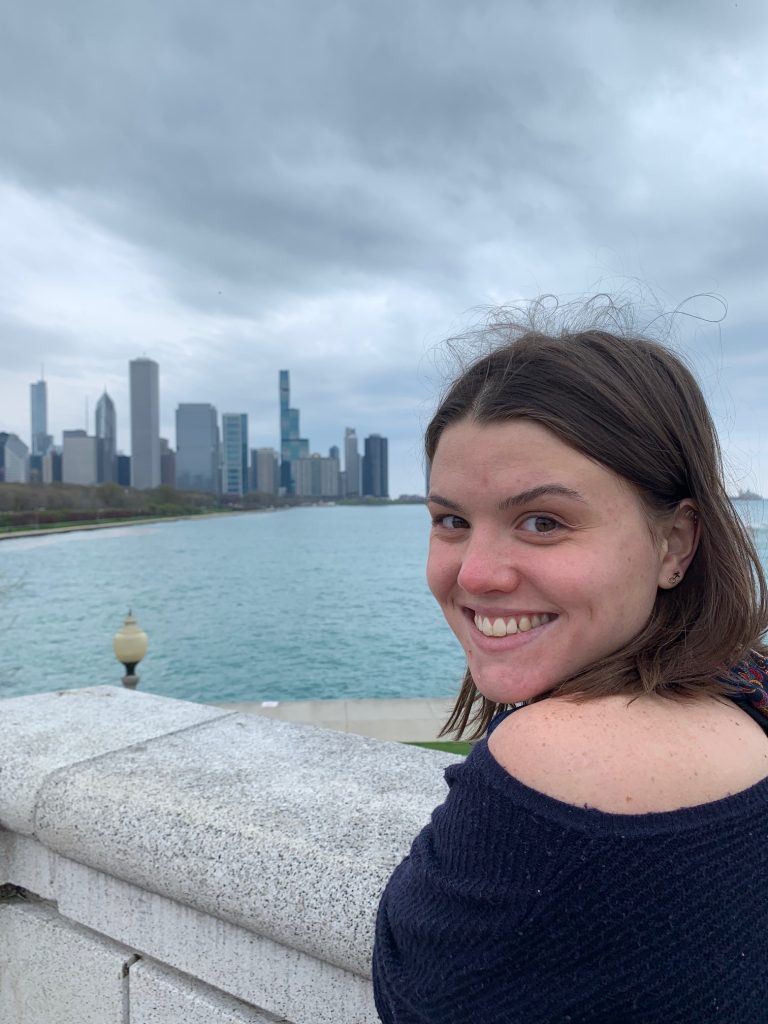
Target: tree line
column 27, row 506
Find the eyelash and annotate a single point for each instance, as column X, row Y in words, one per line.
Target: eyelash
column 439, row 521
column 549, row 519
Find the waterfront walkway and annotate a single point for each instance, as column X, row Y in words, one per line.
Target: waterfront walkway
column 416, row 720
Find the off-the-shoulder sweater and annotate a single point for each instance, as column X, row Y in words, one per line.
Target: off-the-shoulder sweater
column 516, row 908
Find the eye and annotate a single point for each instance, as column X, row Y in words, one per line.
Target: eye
column 450, row 522
column 540, row 524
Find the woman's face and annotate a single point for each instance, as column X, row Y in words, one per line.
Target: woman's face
column 541, row 559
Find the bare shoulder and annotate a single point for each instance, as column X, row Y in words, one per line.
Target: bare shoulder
column 632, row 758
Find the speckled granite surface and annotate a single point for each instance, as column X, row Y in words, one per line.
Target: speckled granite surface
column 286, row 830
column 48, row 732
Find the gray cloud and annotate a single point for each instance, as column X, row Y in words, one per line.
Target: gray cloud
column 329, row 186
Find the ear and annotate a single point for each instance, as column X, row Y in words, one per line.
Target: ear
column 680, row 539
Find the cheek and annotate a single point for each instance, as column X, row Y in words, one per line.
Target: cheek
column 441, row 573
column 641, row 565
column 630, row 589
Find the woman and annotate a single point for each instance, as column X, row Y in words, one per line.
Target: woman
column 599, row 856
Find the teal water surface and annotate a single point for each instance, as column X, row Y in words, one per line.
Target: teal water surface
column 305, row 604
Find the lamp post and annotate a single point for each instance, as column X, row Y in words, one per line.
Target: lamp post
column 130, row 645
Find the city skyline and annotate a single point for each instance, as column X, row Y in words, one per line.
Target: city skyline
column 189, row 420
column 263, row 427
column 213, row 452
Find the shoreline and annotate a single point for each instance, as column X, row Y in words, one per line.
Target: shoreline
column 40, row 531
column 115, row 524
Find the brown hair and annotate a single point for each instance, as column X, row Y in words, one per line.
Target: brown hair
column 632, row 405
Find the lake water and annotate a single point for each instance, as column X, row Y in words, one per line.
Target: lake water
column 310, row 603
column 306, row 604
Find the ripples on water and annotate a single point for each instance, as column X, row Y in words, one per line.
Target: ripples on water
column 308, row 604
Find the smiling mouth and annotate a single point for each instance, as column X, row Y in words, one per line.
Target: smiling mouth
column 512, row 625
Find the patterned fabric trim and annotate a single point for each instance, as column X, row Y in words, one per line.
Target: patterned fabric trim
column 750, row 679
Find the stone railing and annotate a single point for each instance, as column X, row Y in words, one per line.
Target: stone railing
column 165, row 862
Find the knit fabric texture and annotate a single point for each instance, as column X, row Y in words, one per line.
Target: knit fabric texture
column 516, row 908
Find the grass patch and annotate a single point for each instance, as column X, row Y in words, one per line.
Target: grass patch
column 450, row 746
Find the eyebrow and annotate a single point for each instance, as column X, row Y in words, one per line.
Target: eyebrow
column 515, row 500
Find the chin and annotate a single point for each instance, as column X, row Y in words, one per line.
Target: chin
column 509, row 692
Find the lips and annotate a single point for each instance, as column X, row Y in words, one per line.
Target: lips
column 509, row 626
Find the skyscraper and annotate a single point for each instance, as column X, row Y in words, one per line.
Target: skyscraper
column 316, row 477
column 265, row 470
column 106, row 432
column 197, row 447
column 234, row 444
column 351, row 463
column 145, row 423
column 38, row 407
column 375, row 468
column 167, row 464
column 292, row 446
column 79, row 458
column 13, row 459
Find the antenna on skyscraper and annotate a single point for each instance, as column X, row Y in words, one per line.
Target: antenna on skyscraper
column 86, row 414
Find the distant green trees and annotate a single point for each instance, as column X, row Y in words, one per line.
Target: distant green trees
column 31, row 506
column 25, row 506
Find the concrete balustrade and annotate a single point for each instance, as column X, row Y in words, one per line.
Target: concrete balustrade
column 164, row 862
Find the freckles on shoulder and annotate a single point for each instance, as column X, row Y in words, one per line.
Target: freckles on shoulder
column 536, row 741
column 631, row 757
column 567, row 751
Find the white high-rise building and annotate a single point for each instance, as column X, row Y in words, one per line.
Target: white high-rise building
column 145, row 423
column 352, row 473
column 38, row 408
column 106, row 431
column 79, row 458
column 316, row 477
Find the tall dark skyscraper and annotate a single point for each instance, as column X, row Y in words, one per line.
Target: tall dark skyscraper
column 292, row 445
column 375, row 467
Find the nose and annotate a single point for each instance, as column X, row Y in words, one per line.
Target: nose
column 487, row 565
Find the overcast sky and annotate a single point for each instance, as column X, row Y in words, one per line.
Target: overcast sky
column 332, row 187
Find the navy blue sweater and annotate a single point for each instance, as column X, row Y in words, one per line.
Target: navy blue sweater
column 516, row 908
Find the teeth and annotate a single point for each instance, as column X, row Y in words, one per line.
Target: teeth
column 508, row 627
